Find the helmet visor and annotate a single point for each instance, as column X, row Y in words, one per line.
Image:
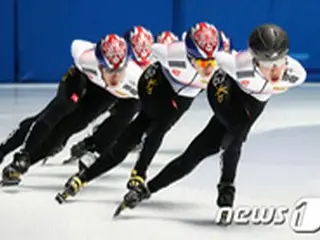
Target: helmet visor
column 271, row 64
column 203, row 63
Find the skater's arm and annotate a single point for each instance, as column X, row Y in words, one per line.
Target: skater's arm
column 227, row 63
column 296, row 73
column 159, row 52
column 78, row 50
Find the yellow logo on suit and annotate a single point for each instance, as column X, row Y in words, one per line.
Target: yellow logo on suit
column 150, row 86
column 221, row 92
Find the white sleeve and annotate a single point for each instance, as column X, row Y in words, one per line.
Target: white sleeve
column 78, row 47
column 227, row 62
column 297, row 70
column 234, row 52
column 159, row 52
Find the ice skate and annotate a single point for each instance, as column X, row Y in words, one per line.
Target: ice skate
column 226, row 195
column 87, row 160
column 133, row 198
column 79, row 150
column 72, row 187
column 11, row 174
column 135, row 180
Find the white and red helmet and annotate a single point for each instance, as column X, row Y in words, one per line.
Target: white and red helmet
column 202, row 41
column 112, row 52
column 140, row 41
column 166, row 37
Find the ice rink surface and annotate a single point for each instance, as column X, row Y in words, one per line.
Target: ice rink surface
column 280, row 164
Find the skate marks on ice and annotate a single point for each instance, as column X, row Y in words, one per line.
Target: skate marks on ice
column 64, row 176
column 56, row 187
column 113, row 202
column 128, row 165
column 198, row 216
column 292, row 145
column 14, row 190
column 167, row 205
column 204, row 222
column 40, row 180
column 201, row 219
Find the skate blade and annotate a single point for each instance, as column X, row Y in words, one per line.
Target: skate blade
column 69, row 160
column 120, row 208
column 9, row 183
column 61, row 197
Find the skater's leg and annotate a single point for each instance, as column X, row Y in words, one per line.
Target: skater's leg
column 16, row 138
column 110, row 158
column 205, row 144
column 110, row 130
column 114, row 155
column 165, row 108
column 96, row 102
column 155, row 135
column 237, row 111
column 74, row 84
column 233, row 119
column 71, row 90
